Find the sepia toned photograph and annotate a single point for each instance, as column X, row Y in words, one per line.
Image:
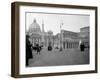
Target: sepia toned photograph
column 57, row 39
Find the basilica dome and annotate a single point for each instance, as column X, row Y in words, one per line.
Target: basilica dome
column 34, row 27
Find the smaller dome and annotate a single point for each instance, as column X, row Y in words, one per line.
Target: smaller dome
column 50, row 32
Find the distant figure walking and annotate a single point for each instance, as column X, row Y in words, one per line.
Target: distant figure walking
column 38, row 48
column 49, row 47
column 82, row 47
column 28, row 50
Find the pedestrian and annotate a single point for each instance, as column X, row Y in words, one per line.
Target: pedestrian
column 82, row 47
column 28, row 50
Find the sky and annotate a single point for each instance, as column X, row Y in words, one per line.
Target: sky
column 53, row 21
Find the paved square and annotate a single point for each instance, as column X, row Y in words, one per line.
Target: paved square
column 56, row 57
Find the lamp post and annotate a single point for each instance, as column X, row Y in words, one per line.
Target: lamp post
column 61, row 36
column 43, row 41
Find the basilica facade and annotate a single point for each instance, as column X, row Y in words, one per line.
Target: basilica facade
column 38, row 35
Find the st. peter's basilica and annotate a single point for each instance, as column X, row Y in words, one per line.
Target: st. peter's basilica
column 65, row 39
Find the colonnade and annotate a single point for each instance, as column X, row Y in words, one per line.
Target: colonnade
column 70, row 44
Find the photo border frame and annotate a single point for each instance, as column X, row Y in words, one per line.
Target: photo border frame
column 15, row 33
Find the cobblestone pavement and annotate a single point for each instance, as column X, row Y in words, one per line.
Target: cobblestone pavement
column 56, row 57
